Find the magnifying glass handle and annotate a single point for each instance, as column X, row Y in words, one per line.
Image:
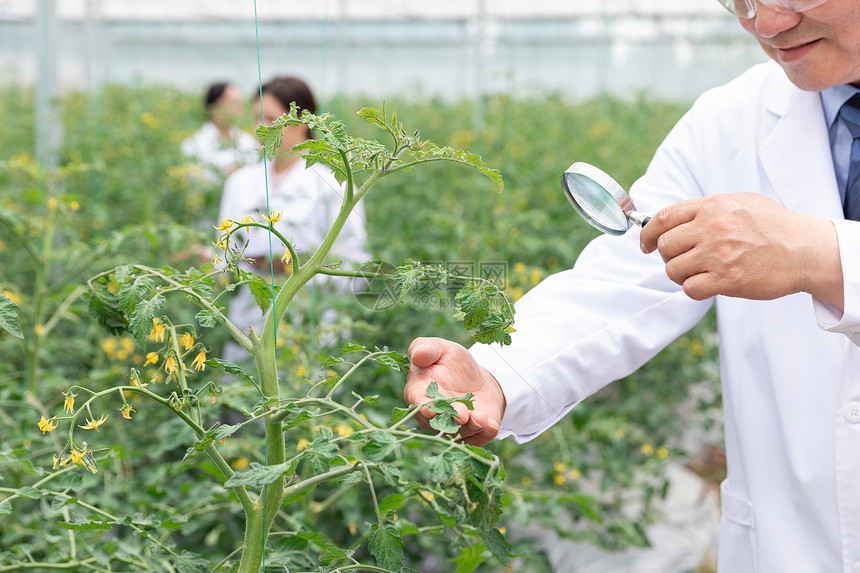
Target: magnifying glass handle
column 638, row 218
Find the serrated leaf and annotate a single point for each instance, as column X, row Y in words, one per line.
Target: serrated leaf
column 445, row 424
column 398, row 414
column 391, row 502
column 189, row 562
column 332, row 553
column 259, row 475
column 379, row 446
column 206, row 318
column 393, row 360
column 81, row 525
column 262, row 292
column 30, row 492
column 9, row 317
column 352, row 347
column 385, row 545
column 5, row 508
column 61, row 501
column 104, row 307
column 441, row 467
column 498, row 545
column 230, row 367
column 140, row 322
column 391, row 476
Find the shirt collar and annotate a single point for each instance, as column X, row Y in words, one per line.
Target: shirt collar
column 833, row 98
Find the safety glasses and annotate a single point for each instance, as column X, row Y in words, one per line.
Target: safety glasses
column 747, row 8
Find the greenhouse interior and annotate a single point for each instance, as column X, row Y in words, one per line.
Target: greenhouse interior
column 205, row 350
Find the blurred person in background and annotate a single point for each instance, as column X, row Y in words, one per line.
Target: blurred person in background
column 755, row 195
column 307, row 198
column 219, row 144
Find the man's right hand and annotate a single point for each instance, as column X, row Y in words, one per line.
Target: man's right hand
column 456, row 373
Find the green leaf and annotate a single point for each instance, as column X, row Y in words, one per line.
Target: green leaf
column 441, row 467
column 104, row 307
column 498, row 545
column 9, row 317
column 30, row 492
column 206, row 318
column 263, row 294
column 5, row 508
column 445, row 424
column 352, row 347
column 189, row 562
column 140, row 323
column 332, row 553
column 379, row 446
column 258, row 475
column 393, row 360
column 398, row 414
column 391, row 502
column 391, row 476
column 230, row 367
column 61, row 501
column 385, row 545
column 81, row 525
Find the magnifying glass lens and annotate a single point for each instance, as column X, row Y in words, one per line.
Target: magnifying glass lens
column 595, row 203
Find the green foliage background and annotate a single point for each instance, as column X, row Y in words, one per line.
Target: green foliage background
column 123, row 169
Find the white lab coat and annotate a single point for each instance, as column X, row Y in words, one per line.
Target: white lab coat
column 220, row 156
column 790, row 372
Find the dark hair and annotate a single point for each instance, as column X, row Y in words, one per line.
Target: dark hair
column 214, row 93
column 289, row 89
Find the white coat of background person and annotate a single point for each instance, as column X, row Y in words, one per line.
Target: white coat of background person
column 308, row 199
column 746, row 193
column 219, row 145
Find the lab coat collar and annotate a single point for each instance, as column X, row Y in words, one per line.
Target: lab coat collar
column 802, row 173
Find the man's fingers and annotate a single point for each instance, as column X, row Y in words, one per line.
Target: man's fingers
column 424, row 352
column 665, row 220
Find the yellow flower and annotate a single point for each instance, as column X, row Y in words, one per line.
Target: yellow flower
column 662, row 453
column 187, row 341
column 619, row 433
column 559, row 467
column 301, row 371
column 646, row 449
column 56, row 461
column 273, row 217
column 158, row 328
column 39, row 328
column 221, row 243
column 52, row 203
column 535, row 276
column 74, row 205
column 559, row 479
column 248, row 219
column 503, row 530
column 126, row 411
column 574, row 474
column 216, row 259
column 302, row 444
column 150, row 120
column 47, row 425
column 520, row 268
column 78, row 457
column 91, row 468
column 343, row 430
column 170, row 365
column 12, row 296
column 225, row 224
column 94, row 424
column 135, row 379
column 69, row 404
column 151, row 358
column 240, row 463
column 199, row 364
column 517, row 293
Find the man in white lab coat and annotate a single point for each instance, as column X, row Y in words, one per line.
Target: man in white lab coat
column 747, row 196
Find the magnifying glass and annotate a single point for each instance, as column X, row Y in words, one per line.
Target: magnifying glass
column 599, row 200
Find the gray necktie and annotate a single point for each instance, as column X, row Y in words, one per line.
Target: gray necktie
column 850, row 114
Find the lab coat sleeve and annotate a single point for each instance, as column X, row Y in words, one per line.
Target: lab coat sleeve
column 830, row 318
column 600, row 321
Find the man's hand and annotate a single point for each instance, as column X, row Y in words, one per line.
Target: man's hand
column 456, row 373
column 746, row 245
